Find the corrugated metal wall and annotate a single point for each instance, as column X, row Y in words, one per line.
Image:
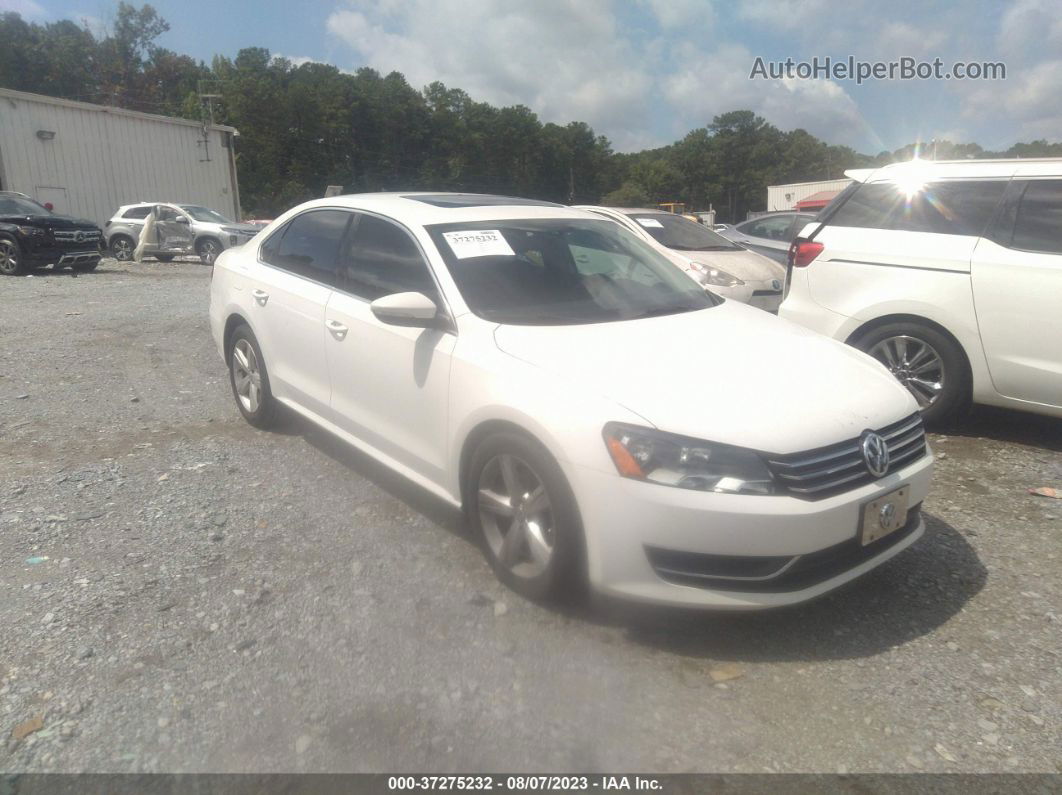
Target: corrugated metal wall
column 101, row 158
column 785, row 197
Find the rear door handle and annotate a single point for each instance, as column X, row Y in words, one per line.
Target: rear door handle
column 261, row 296
column 337, row 329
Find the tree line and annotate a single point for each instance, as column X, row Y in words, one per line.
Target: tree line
column 304, row 127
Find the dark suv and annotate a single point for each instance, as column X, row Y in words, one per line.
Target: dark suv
column 32, row 236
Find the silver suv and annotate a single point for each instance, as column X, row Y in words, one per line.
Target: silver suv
column 181, row 230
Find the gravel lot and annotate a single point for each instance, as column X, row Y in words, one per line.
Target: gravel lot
column 215, row 598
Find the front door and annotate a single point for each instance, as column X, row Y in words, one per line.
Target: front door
column 390, row 384
column 173, row 231
column 1017, row 285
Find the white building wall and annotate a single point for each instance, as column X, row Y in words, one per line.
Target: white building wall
column 785, row 197
column 102, row 158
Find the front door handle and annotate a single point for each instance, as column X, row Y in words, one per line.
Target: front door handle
column 261, row 296
column 337, row 329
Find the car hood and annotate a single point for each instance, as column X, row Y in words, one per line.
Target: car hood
column 746, row 265
column 729, row 374
column 53, row 221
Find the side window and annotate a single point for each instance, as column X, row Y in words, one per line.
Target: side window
column 871, row 206
column 310, row 243
column 165, row 214
column 951, row 208
column 1038, row 224
column 136, row 212
column 268, row 251
column 773, row 228
column 382, row 259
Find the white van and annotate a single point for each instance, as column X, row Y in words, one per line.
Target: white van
column 949, row 273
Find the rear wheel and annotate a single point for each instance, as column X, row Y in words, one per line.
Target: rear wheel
column 122, row 248
column 525, row 514
column 930, row 364
column 11, row 263
column 250, row 380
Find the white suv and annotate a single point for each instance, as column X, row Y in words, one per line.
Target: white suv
column 949, row 273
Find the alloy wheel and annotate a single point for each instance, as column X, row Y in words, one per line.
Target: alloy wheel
column 516, row 515
column 915, row 363
column 208, row 252
column 122, row 249
column 246, row 376
column 8, row 257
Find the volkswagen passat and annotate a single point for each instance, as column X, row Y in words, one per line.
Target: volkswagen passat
column 597, row 414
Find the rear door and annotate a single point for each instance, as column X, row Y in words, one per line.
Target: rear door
column 1017, row 284
column 390, row 384
column 289, row 290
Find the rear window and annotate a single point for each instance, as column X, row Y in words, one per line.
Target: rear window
column 136, row 212
column 949, row 208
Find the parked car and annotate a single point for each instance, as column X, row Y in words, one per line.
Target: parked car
column 950, row 274
column 721, row 265
column 183, row 230
column 769, row 235
column 596, row 414
column 32, row 236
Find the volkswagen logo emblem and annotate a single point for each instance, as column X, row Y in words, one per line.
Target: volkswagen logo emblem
column 875, row 454
column 79, row 236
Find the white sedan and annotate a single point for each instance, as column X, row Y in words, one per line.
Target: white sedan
column 721, row 265
column 598, row 416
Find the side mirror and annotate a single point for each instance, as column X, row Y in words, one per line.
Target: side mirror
column 406, row 309
column 181, row 219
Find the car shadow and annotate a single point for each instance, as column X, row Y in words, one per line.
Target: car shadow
column 907, row 597
column 1008, row 425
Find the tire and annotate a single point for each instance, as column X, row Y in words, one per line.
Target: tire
column 545, row 562
column 11, row 262
column 164, row 257
column 249, row 379
column 208, row 249
column 83, row 267
column 929, row 363
column 122, row 247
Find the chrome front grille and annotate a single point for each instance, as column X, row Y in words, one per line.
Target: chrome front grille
column 830, row 470
column 77, row 235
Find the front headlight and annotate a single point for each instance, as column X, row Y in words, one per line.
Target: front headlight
column 672, row 460
column 31, row 231
column 714, row 277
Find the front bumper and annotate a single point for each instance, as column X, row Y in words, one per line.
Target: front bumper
column 628, row 522
column 58, row 256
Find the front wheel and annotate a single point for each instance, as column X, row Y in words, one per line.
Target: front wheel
column 523, row 510
column 930, row 364
column 208, row 250
column 11, row 263
column 250, row 380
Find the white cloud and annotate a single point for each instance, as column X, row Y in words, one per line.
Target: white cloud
column 27, row 8
column 671, row 14
column 566, row 59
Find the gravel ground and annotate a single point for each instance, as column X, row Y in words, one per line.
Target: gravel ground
column 181, row 592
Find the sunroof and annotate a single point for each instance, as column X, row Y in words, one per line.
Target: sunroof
column 476, row 200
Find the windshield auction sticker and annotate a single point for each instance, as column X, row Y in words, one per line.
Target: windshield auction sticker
column 480, row 243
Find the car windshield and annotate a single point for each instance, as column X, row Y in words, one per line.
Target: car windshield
column 562, row 272
column 205, row 214
column 17, row 205
column 682, row 234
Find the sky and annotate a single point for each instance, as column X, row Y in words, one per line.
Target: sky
column 646, row 72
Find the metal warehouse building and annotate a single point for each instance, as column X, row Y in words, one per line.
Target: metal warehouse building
column 87, row 160
column 786, row 197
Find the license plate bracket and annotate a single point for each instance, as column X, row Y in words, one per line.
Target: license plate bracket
column 884, row 515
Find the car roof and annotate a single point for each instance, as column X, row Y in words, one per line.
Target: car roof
column 961, row 169
column 426, row 208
